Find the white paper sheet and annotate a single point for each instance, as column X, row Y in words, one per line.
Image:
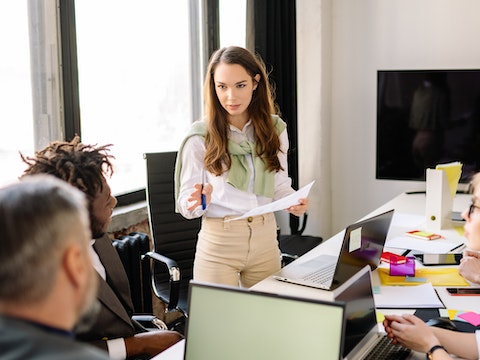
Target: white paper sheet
column 440, row 246
column 418, row 296
column 280, row 204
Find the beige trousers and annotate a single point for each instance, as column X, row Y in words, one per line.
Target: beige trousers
column 237, row 253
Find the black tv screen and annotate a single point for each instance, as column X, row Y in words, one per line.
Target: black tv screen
column 425, row 118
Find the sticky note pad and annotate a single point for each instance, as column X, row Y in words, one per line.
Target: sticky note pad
column 472, row 317
column 406, row 269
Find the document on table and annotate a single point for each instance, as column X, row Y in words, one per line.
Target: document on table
column 441, row 246
column 405, row 297
column 280, row 204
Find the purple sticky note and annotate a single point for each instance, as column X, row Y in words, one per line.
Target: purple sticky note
column 406, row 269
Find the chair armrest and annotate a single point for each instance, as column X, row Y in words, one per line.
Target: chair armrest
column 149, row 321
column 175, row 277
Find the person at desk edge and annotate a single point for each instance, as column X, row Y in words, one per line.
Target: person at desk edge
column 236, row 157
column 46, row 276
column 86, row 167
column 412, row 332
column 469, row 266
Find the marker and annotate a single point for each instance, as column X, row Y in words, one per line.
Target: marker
column 204, row 198
column 458, row 248
column 204, row 201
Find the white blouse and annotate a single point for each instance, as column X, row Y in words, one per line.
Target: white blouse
column 226, row 199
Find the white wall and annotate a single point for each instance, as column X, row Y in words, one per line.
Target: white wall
column 341, row 45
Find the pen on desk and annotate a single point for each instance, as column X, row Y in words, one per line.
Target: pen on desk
column 459, row 247
column 204, row 198
column 406, row 252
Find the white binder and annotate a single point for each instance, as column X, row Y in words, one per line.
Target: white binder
column 439, row 201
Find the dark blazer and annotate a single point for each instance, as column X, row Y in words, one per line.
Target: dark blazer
column 114, row 318
column 20, row 339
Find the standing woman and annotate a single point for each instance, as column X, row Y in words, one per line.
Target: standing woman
column 236, row 158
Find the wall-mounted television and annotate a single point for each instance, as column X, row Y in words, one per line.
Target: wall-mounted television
column 425, row 118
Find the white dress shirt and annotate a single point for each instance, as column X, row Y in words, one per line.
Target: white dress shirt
column 226, row 199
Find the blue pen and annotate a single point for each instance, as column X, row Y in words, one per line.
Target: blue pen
column 204, row 198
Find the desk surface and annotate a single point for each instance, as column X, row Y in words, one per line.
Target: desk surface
column 404, row 204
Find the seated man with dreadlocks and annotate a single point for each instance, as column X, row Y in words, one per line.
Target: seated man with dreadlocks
column 86, row 167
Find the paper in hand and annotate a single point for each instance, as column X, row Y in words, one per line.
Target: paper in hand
column 281, row 204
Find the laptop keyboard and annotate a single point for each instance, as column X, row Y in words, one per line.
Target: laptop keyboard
column 385, row 350
column 322, row 276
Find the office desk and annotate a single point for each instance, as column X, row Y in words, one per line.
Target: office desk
column 406, row 206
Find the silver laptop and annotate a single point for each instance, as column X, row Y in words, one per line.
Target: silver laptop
column 363, row 339
column 362, row 245
column 233, row 323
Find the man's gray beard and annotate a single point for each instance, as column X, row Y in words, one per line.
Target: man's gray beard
column 88, row 318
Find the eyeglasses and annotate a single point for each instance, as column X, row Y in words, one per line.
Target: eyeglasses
column 471, row 209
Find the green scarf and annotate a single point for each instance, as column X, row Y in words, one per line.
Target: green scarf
column 239, row 173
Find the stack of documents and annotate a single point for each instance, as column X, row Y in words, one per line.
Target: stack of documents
column 453, row 171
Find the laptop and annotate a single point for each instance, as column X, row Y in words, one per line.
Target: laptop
column 363, row 339
column 363, row 244
column 235, row 323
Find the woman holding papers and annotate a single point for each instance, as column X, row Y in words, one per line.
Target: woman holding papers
column 412, row 332
column 232, row 161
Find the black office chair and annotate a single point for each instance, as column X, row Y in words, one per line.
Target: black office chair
column 132, row 249
column 174, row 237
column 295, row 245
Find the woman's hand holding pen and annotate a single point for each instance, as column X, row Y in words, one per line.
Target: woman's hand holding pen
column 196, row 196
column 300, row 208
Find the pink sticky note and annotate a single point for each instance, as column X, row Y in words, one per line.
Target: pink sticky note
column 472, row 317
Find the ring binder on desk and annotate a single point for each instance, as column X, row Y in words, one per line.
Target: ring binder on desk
column 439, row 201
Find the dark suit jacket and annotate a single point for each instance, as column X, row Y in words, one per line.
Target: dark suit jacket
column 20, row 339
column 114, row 318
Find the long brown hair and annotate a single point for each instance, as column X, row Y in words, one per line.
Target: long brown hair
column 260, row 110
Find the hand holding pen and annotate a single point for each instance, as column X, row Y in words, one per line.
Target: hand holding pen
column 201, row 196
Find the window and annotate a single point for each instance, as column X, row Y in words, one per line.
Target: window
column 135, row 80
column 140, row 74
column 16, row 124
column 232, row 22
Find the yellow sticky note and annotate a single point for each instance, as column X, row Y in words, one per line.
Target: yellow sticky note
column 460, row 230
column 355, row 239
column 453, row 171
column 452, row 314
column 380, row 317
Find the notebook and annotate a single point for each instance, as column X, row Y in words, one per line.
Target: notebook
column 362, row 335
column 363, row 244
column 234, row 323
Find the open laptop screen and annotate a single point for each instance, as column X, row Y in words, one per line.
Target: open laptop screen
column 232, row 323
column 360, row 310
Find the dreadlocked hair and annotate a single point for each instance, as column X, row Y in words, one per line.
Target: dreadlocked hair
column 83, row 166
